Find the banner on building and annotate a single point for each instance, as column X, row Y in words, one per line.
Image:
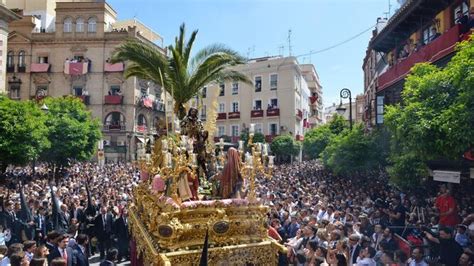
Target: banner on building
column 447, row 176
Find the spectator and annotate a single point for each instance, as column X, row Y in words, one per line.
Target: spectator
column 447, row 208
column 462, row 237
column 19, row 259
column 39, row 262
column 29, row 248
column 12, row 249
column 417, row 258
column 366, row 257
column 41, row 252
column 466, row 259
column 112, row 255
column 463, row 21
column 80, row 250
column 58, row 262
column 449, row 249
column 434, row 34
column 62, row 250
column 388, row 240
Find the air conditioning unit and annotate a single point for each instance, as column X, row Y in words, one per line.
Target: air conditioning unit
column 120, row 143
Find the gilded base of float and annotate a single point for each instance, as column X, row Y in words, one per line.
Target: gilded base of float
column 172, row 234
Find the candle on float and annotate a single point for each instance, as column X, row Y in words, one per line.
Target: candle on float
column 271, row 159
column 265, row 149
column 252, row 128
column 221, row 142
column 184, row 141
column 164, row 144
column 169, row 159
column 193, row 158
column 241, row 144
column 259, row 147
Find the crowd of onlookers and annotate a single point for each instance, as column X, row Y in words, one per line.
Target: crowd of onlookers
column 326, row 219
column 58, row 222
column 64, row 217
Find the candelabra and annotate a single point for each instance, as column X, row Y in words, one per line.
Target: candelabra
column 254, row 162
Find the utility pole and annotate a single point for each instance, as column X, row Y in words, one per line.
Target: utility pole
column 289, row 42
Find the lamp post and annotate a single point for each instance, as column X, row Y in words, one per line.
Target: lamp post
column 346, row 94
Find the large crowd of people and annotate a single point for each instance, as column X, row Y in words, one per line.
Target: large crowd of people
column 326, row 219
column 322, row 219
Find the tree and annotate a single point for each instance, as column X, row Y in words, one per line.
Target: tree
column 72, row 131
column 284, row 147
column 316, row 140
column 180, row 75
column 437, row 115
column 257, row 137
column 23, row 134
column 337, row 124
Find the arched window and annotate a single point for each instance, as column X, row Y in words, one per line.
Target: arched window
column 67, row 27
column 10, row 59
column 21, row 59
column 141, row 120
column 115, row 121
column 92, row 25
column 80, row 25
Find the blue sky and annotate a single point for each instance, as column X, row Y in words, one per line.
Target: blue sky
column 260, row 27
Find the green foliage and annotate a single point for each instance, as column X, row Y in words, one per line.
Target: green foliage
column 180, row 75
column 72, row 131
column 354, row 151
column 316, row 140
column 22, row 132
column 437, row 118
column 338, row 124
column 285, row 146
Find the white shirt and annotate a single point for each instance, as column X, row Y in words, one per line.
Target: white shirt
column 365, row 262
column 414, row 263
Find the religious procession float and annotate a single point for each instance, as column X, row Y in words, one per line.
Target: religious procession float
column 196, row 201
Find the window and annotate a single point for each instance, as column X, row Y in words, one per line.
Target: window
column 429, row 34
column 204, row 92
column 10, row 59
column 67, row 27
column 235, row 88
column 273, row 81
column 258, row 84
column 80, row 25
column 115, row 119
column 221, row 107
column 235, row 130
column 141, row 120
column 221, row 89
column 21, row 59
column 380, row 100
column 464, row 8
column 77, row 90
column 203, row 112
column 41, row 91
column 258, row 128
column 257, row 105
column 42, row 59
column 273, row 103
column 273, row 129
column 15, row 91
column 220, row 131
column 92, row 25
column 115, row 90
column 235, row 107
column 144, row 90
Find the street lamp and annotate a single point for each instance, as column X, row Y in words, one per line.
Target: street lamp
column 346, row 94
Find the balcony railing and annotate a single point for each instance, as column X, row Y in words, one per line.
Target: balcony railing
column 115, row 126
column 273, row 112
column 84, row 99
column 299, row 113
column 234, row 115
column 221, row 116
column 39, row 67
column 256, row 113
column 76, row 69
column 269, row 138
column 235, row 139
column 145, row 102
column 113, row 99
column 118, row 67
column 431, row 52
column 141, row 128
column 21, row 69
column 115, row 149
column 10, row 69
column 313, row 99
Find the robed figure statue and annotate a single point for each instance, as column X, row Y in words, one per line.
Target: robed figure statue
column 231, row 180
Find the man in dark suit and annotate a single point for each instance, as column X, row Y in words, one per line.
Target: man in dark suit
column 51, row 241
column 103, row 227
column 354, row 247
column 10, row 222
column 41, row 226
column 123, row 236
column 80, row 250
column 61, row 250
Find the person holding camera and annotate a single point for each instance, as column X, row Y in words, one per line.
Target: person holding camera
column 397, row 214
column 449, row 250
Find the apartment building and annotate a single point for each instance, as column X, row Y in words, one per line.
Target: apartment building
column 6, row 16
column 316, row 97
column 277, row 101
column 420, row 31
column 71, row 58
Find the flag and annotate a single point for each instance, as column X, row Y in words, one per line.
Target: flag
column 25, row 212
column 203, row 261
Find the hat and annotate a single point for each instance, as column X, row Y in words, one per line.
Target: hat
column 462, row 226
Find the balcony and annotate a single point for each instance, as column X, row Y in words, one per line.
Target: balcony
column 159, row 106
column 84, row 99
column 269, row 138
column 221, row 116
column 110, row 68
column 113, row 99
column 10, row 69
column 431, row 52
column 256, row 113
column 234, row 115
column 21, row 69
column 141, row 128
column 273, row 112
column 313, row 99
column 299, row 114
column 114, row 126
column 299, row 137
column 145, row 102
column 115, row 149
column 235, row 139
column 76, row 69
column 39, row 68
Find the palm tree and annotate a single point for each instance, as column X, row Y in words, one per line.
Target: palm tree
column 179, row 74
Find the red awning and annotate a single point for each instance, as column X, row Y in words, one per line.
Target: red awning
column 39, row 68
column 118, row 67
column 75, row 69
column 148, row 103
